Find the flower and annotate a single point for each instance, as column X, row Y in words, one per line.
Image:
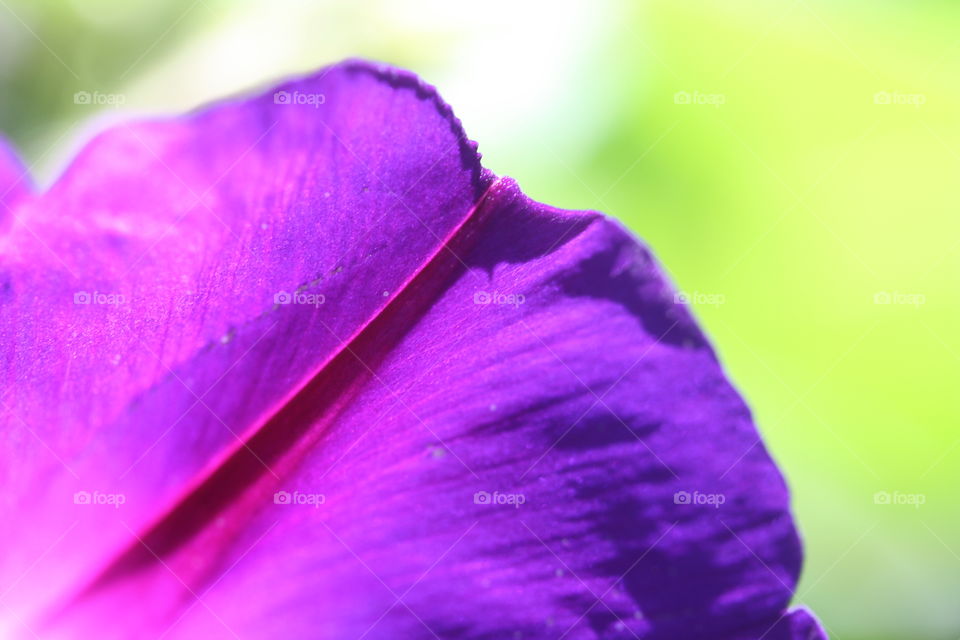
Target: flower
column 296, row 365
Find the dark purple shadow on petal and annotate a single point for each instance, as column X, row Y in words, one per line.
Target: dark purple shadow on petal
column 667, row 319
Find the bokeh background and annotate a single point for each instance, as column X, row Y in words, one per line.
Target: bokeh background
column 793, row 163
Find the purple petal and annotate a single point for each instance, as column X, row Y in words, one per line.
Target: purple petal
column 594, row 402
column 177, row 237
column 498, row 419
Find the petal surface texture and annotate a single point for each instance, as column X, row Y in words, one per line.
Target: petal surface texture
column 297, row 365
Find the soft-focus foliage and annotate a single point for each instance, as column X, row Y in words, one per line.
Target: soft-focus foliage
column 784, row 203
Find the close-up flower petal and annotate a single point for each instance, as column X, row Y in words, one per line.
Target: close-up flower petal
column 296, row 365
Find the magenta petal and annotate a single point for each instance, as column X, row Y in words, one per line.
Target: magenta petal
column 145, row 330
column 491, row 417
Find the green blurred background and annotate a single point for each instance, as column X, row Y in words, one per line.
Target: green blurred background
column 793, row 164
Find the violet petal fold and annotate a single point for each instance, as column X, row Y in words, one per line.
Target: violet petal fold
column 303, row 368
